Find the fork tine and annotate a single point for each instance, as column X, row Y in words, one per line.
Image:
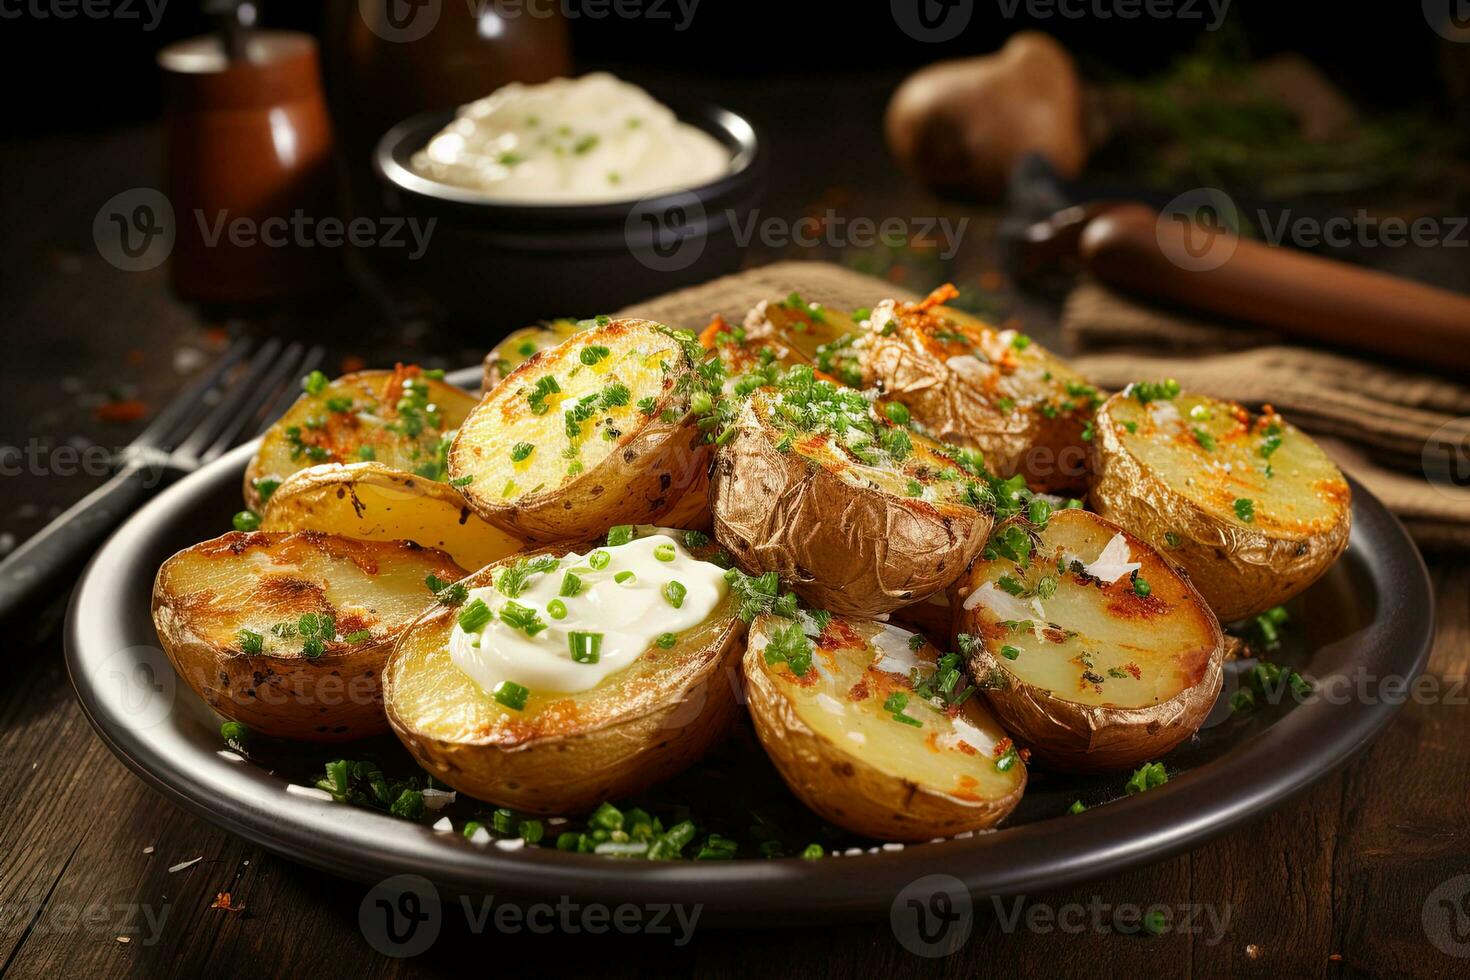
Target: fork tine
column 223, row 412
column 290, row 393
column 281, row 372
column 169, row 425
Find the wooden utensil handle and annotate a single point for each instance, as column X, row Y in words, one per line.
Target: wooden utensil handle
column 1301, row 295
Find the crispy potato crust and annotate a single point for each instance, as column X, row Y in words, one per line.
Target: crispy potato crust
column 356, row 415
column 1162, row 483
column 1108, row 678
column 519, row 345
column 203, row 596
column 564, row 753
column 625, row 465
column 845, row 756
column 837, row 538
column 974, row 386
column 374, row 502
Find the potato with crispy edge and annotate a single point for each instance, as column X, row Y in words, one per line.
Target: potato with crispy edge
column 858, row 531
column 1093, row 663
column 399, row 418
column 288, row 633
column 518, row 346
column 374, row 502
column 1247, row 504
column 598, row 430
column 972, row 385
column 564, row 753
column 864, row 750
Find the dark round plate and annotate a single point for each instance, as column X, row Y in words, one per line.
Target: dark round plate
column 1369, row 622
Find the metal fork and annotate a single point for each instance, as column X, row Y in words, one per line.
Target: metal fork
column 240, row 394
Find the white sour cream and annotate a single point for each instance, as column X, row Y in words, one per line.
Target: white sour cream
column 630, row 615
column 593, row 139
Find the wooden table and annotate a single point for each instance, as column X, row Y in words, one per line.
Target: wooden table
column 1340, row 882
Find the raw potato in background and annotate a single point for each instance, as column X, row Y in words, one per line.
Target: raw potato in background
column 316, row 678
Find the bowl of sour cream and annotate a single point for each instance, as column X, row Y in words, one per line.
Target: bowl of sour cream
column 568, row 198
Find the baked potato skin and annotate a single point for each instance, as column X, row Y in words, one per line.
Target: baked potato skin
column 373, row 502
column 566, row 753
column 1064, row 733
column 1241, row 568
column 968, row 384
column 834, row 780
column 519, row 345
column 852, row 550
column 373, row 424
column 644, row 472
column 204, row 595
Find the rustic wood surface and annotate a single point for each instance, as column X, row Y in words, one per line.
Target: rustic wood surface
column 1340, row 882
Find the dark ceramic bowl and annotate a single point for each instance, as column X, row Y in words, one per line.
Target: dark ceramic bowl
column 491, row 264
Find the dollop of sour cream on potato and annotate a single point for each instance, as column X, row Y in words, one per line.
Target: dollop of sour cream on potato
column 629, row 611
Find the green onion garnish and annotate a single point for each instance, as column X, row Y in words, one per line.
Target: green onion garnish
column 664, row 552
column 675, row 593
column 599, row 559
column 511, row 694
column 556, row 609
column 586, row 648
column 475, row 616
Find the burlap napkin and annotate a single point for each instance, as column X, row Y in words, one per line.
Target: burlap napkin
column 1375, row 421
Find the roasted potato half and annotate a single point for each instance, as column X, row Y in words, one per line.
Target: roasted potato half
column 400, row 418
column 288, row 633
column 858, row 523
column 972, row 385
column 1092, row 650
column 1247, row 504
column 374, row 502
column 819, row 335
column 840, row 716
column 519, row 346
column 557, row 752
column 595, row 431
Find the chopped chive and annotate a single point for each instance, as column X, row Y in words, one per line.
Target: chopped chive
column 313, row 383
column 675, row 593
column 571, row 585
column 666, row 640
column 511, row 694
column 475, row 616
column 1009, row 652
column 250, row 641
column 246, row 520
column 664, row 552
column 358, row 636
column 521, row 451
column 556, row 609
column 624, row 576
column 599, row 559
column 1245, row 509
column 585, row 648
column 619, row 534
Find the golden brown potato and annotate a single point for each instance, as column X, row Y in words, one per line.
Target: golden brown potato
column 1248, row 505
column 859, row 524
column 373, row 502
column 564, row 753
column 288, row 633
column 969, row 384
column 594, row 432
column 518, row 346
column 1092, row 650
column 400, row 418
column 856, row 741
